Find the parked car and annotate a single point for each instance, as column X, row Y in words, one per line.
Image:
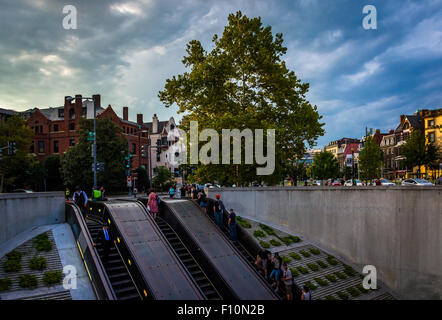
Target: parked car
column 336, row 183
column 416, row 182
column 22, row 191
column 386, row 182
column 316, row 183
column 349, row 183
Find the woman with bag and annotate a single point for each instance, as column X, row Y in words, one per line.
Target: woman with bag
column 152, row 202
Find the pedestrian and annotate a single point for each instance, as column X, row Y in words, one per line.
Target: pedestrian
column 152, row 202
column 67, row 194
column 218, row 209
column 103, row 191
column 232, row 225
column 439, row 181
column 259, row 261
column 276, row 272
column 80, row 199
column 306, row 294
column 96, row 195
column 107, row 240
column 288, row 281
column 135, row 192
column 171, row 192
column 203, row 201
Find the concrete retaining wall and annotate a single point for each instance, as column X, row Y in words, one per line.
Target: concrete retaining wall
column 396, row 229
column 20, row 212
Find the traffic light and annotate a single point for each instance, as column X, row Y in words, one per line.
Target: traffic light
column 100, row 166
column 144, row 151
column 12, row 147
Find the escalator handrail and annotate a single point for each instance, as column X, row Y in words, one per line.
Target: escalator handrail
column 163, row 238
column 109, row 291
column 254, row 270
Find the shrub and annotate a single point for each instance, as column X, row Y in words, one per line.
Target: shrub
column 267, row 229
column 353, row 291
column 322, row 264
column 330, row 298
column 287, row 240
column 275, row 243
column 28, row 281
column 52, row 277
column 5, row 284
column 314, row 251
column 37, row 263
column 295, row 256
column 14, row 255
column 295, row 239
column 43, row 245
column 259, row 234
column 305, row 253
column 302, row 270
column 361, row 288
column 12, row 266
column 285, row 259
column 294, row 272
column 331, row 260
column 310, row 285
column 321, row 282
column 341, row 275
column 331, row 278
column 349, row 271
column 313, row 266
column 342, row 295
column 264, row 244
column 245, row 224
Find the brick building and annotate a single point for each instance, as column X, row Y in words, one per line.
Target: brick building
column 56, row 129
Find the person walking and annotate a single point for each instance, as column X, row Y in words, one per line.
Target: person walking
column 218, row 209
column 306, row 295
column 107, row 240
column 288, row 281
column 232, row 225
column 203, row 201
column 171, row 192
column 80, row 199
column 152, row 202
column 276, row 272
column 67, row 194
column 103, row 191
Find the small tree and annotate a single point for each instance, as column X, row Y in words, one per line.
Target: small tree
column 417, row 152
column 143, row 179
column 370, row 160
column 163, row 178
column 325, row 166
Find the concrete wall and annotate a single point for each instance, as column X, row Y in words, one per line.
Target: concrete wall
column 20, row 212
column 396, row 229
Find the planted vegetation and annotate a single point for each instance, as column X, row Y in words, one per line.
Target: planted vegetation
column 37, row 263
column 322, row 264
column 275, row 243
column 28, row 281
column 285, row 259
column 295, row 239
column 353, row 291
column 331, row 278
column 305, row 253
column 310, row 285
column 349, row 271
column 330, row 298
column 5, row 284
column 341, row 275
column 302, row 269
column 342, row 295
column 295, row 273
column 259, row 234
column 314, row 251
column 313, row 266
column 13, row 262
column 52, row 277
column 321, row 282
column 42, row 242
column 267, row 229
column 295, row 256
column 361, row 288
column 331, row 260
column 243, row 223
column 264, row 244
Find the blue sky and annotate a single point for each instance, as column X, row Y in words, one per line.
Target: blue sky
column 125, row 50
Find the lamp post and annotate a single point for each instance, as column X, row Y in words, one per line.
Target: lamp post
column 353, row 165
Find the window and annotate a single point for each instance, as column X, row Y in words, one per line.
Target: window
column 172, row 127
column 55, row 127
column 61, row 113
column 72, row 142
column 84, row 112
column 41, row 147
column 131, row 130
column 134, row 148
column 431, row 123
column 72, row 113
column 431, row 137
column 55, row 146
column 164, row 141
column 72, row 126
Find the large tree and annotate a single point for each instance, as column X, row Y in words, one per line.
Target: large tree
column 244, row 83
column 16, row 170
column 76, row 162
column 163, row 178
column 417, row 152
column 325, row 166
column 370, row 160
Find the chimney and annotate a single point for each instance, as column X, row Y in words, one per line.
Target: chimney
column 140, row 118
column 378, row 131
column 402, row 118
column 67, row 101
column 125, row 113
column 78, row 100
column 154, row 123
column 391, row 131
column 97, row 98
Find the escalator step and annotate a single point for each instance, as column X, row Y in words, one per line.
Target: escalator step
column 119, row 275
column 127, row 283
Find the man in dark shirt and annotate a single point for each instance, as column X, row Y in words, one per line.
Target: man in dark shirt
column 218, row 209
column 232, row 225
column 80, row 199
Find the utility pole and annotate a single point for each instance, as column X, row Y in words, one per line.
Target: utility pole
column 128, row 165
column 95, row 142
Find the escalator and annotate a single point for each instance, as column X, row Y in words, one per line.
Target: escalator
column 189, row 261
column 116, row 270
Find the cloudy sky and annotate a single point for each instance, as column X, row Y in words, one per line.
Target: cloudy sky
column 126, row 49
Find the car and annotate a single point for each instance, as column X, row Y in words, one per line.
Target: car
column 316, row 183
column 336, row 183
column 386, row 182
column 22, row 191
column 349, row 183
column 416, row 182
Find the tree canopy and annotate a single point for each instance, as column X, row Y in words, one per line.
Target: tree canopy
column 243, row 82
column 370, row 160
column 325, row 166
